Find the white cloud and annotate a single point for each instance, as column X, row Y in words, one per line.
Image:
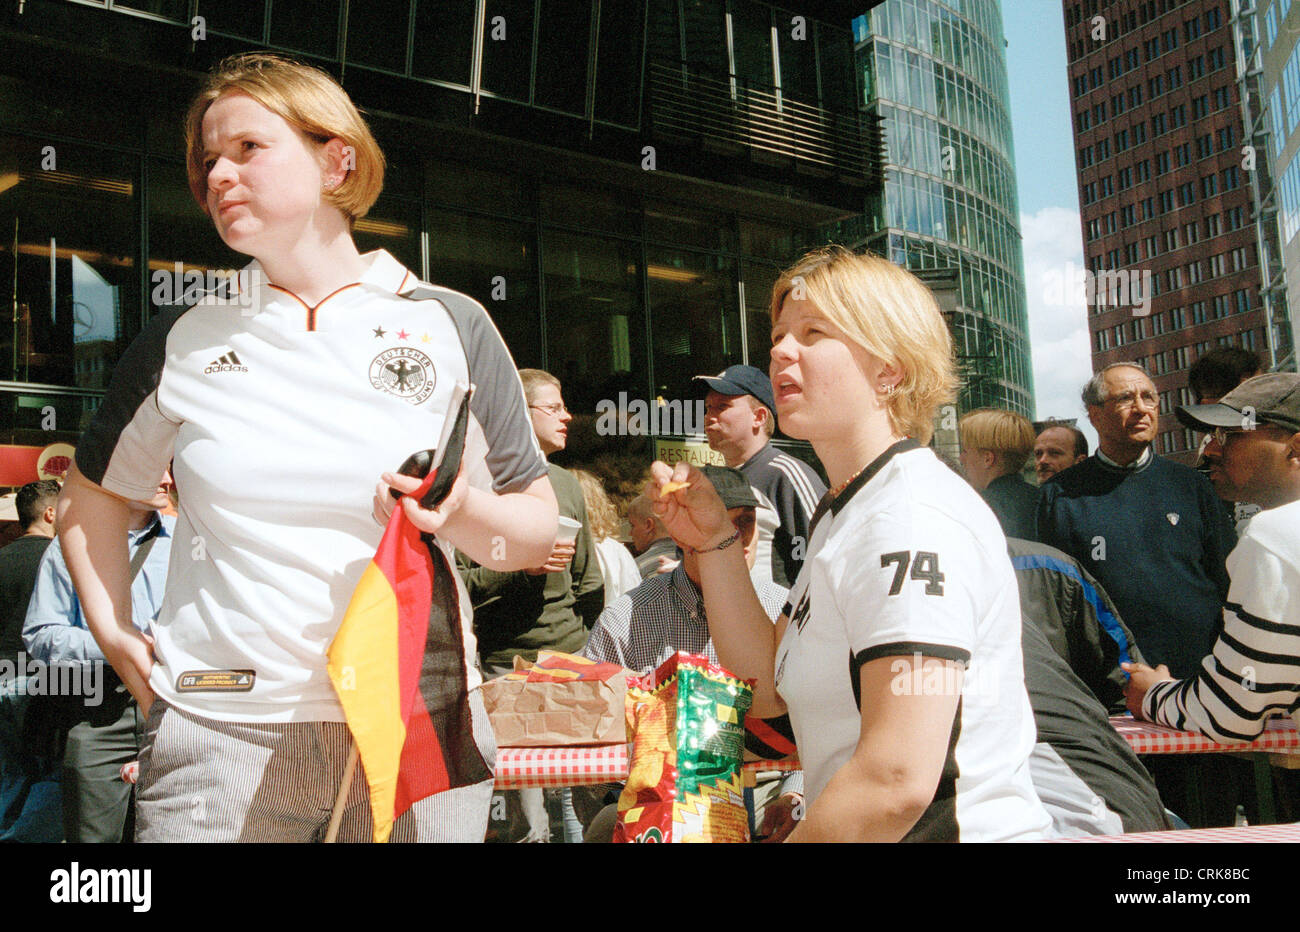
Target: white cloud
column 1058, row 321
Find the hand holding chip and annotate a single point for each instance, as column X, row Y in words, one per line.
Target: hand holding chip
column 690, row 509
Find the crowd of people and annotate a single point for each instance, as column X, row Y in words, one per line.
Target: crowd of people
column 843, row 589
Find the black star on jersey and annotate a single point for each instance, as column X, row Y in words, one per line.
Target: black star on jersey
column 379, row 332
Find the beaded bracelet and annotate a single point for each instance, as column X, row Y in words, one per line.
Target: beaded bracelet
column 735, row 536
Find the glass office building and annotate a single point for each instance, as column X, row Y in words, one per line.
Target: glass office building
column 935, row 74
column 617, row 181
column 1268, row 88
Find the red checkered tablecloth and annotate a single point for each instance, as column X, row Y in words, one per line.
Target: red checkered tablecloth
column 1247, row 833
column 521, row 768
column 1146, row 738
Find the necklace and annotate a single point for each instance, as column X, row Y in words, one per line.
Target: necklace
column 835, row 492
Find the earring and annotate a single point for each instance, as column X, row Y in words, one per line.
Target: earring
column 887, row 389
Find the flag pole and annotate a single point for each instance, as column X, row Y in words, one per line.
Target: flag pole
column 336, row 817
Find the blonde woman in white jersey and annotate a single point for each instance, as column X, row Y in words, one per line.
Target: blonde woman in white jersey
column 898, row 657
column 287, row 414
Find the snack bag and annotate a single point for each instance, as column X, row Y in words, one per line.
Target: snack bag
column 684, row 783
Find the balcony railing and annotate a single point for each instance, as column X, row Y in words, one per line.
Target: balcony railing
column 688, row 103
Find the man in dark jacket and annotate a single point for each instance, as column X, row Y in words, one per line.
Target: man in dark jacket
column 29, row 789
column 994, row 447
column 1077, row 617
column 1073, row 642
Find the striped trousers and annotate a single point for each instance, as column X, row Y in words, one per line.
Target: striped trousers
column 207, row 780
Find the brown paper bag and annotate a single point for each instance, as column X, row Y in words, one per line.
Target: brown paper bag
column 560, row 700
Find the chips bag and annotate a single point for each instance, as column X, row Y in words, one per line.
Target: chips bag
column 685, row 722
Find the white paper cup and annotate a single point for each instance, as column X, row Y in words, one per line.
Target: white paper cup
column 568, row 531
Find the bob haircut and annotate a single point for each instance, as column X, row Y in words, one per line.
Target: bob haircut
column 1007, row 435
column 307, row 99
column 888, row 312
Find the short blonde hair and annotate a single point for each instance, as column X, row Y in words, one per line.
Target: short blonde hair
column 533, row 379
column 307, row 99
column 602, row 516
column 888, row 312
column 1007, row 435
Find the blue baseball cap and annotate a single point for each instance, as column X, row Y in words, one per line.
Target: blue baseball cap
column 742, row 380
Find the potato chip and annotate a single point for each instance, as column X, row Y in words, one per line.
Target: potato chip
column 671, row 487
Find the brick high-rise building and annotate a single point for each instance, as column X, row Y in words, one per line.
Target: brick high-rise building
column 1163, row 195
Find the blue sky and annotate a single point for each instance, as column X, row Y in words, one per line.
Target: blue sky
column 1049, row 202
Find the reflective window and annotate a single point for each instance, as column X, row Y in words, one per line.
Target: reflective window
column 839, row 86
column 663, row 32
column 563, row 35
column 495, row 263
column 591, row 209
column 392, row 224
column 751, row 34
column 235, row 17
column 183, row 242
column 178, row 11
column 798, row 59
column 377, row 34
column 306, row 25
column 693, row 317
column 508, row 48
column 77, row 285
column 704, row 29
column 759, row 279
column 68, row 108
column 595, row 324
column 479, row 189
column 684, row 226
column 444, row 41
column 618, row 62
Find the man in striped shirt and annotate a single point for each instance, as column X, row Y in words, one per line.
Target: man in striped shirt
column 1253, row 670
column 739, row 420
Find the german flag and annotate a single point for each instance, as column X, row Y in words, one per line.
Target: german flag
column 399, row 684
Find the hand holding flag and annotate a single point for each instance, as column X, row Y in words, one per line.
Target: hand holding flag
column 376, row 657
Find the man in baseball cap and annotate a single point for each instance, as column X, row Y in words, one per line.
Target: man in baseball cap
column 739, row 420
column 1254, row 455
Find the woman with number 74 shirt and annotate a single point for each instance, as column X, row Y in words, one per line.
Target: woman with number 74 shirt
column 896, row 665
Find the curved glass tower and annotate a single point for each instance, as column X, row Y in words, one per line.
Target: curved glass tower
column 935, row 73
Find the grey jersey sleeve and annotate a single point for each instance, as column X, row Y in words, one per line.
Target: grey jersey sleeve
column 498, row 411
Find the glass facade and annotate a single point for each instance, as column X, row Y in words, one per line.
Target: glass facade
column 595, row 269
column 935, row 73
column 1268, row 69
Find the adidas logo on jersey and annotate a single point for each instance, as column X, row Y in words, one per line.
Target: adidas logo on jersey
column 227, row 363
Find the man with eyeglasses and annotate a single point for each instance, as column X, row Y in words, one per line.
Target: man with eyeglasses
column 1152, row 531
column 1155, row 535
column 1253, row 668
column 552, row 606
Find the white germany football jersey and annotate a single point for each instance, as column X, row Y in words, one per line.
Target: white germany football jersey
column 281, row 419
column 909, row 562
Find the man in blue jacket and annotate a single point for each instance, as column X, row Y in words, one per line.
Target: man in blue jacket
column 107, row 734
